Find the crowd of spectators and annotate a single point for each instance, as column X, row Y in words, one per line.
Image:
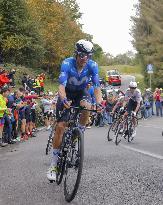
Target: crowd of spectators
column 34, row 84
column 18, row 106
column 151, row 105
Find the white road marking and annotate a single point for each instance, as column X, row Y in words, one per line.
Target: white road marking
column 143, row 152
column 150, row 126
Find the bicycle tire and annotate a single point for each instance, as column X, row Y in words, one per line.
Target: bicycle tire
column 92, row 120
column 131, row 128
column 130, row 132
column 69, row 196
column 47, row 151
column 112, row 128
column 60, row 170
column 119, row 133
column 48, row 146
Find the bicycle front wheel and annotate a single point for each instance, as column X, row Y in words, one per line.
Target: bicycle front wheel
column 120, row 132
column 60, row 167
column 112, row 130
column 74, row 165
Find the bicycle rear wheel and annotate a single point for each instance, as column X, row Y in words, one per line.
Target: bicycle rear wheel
column 49, row 144
column 131, row 129
column 74, row 165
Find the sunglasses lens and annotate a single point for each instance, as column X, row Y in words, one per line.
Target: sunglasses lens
column 83, row 55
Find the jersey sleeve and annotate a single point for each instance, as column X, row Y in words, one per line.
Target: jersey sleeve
column 64, row 73
column 126, row 97
column 138, row 97
column 95, row 75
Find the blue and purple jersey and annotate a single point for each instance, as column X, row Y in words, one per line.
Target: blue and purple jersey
column 74, row 80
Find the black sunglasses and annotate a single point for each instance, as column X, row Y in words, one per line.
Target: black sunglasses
column 83, row 55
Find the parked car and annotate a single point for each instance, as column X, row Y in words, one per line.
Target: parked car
column 113, row 77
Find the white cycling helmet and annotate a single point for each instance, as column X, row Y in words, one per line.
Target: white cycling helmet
column 133, row 84
column 84, row 46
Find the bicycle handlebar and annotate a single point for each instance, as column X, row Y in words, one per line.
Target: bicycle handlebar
column 81, row 108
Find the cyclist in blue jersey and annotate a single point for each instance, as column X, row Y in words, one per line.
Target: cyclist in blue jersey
column 74, row 76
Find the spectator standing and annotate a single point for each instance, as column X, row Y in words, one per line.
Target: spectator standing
column 42, row 84
column 148, row 103
column 24, row 81
column 158, row 104
column 110, row 102
column 4, row 78
column 47, row 103
column 3, row 109
column 11, row 76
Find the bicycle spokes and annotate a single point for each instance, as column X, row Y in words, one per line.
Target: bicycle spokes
column 73, row 168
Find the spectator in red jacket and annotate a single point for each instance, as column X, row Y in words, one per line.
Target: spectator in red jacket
column 4, row 79
column 157, row 97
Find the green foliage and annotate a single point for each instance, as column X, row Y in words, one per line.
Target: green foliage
column 72, row 8
column 20, row 40
column 147, row 32
column 124, row 69
column 41, row 33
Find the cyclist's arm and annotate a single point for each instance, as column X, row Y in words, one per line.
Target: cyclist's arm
column 63, row 80
column 62, row 92
column 115, row 107
column 139, row 99
column 96, row 83
column 137, row 107
column 98, row 95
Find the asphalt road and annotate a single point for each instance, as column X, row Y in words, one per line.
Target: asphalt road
column 128, row 174
column 125, row 80
column 113, row 175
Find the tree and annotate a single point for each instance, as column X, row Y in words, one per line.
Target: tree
column 147, row 32
column 58, row 29
column 20, row 40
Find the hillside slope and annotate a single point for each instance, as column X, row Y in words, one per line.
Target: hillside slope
column 50, row 84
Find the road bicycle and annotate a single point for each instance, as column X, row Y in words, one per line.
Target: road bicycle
column 71, row 155
column 117, row 119
column 126, row 128
column 50, row 138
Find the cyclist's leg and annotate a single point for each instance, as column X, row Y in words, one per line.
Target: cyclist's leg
column 57, row 139
column 59, row 130
column 85, row 101
column 131, row 107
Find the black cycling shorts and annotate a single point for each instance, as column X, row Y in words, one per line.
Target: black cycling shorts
column 28, row 114
column 131, row 106
column 33, row 115
column 75, row 97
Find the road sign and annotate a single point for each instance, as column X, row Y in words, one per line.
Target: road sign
column 149, row 68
